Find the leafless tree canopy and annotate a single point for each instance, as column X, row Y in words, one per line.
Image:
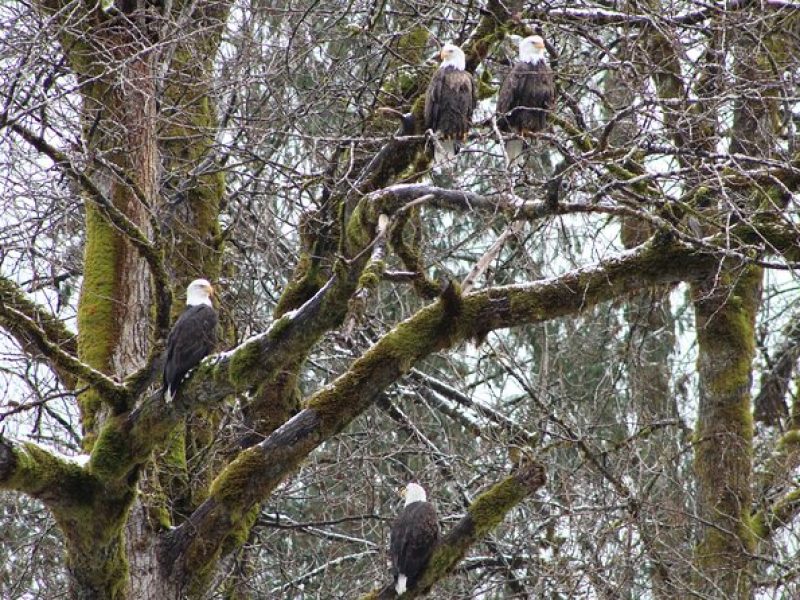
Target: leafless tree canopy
column 589, row 360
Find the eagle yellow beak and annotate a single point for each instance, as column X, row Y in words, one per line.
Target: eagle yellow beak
column 403, row 493
column 210, row 290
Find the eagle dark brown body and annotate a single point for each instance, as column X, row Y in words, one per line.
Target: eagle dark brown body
column 449, row 103
column 525, row 98
column 414, row 535
column 192, row 338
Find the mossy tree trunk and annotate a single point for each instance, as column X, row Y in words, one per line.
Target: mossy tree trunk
column 726, row 305
column 725, row 309
column 192, row 193
column 116, row 58
column 114, row 315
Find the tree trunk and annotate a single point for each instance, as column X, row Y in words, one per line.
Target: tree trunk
column 725, row 310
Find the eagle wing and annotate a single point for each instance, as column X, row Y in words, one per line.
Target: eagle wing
column 449, row 102
column 525, row 97
column 432, row 100
column 539, row 83
column 506, row 97
column 192, row 338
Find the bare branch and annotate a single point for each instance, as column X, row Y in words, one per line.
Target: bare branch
column 149, row 251
column 110, row 390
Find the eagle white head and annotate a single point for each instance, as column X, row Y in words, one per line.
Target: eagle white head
column 414, row 493
column 199, row 292
column 453, row 56
column 531, row 49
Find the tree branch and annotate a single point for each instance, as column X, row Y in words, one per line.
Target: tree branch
column 257, row 471
column 40, row 473
column 770, row 403
column 149, row 251
column 601, row 16
column 62, row 361
column 53, row 330
column 768, row 520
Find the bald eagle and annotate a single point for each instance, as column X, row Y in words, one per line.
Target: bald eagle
column 449, row 102
column 414, row 535
column 526, row 96
column 192, row 337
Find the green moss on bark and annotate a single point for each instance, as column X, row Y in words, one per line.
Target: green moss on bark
column 98, row 333
column 50, row 478
column 244, row 363
column 725, row 309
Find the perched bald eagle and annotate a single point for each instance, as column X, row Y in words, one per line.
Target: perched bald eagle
column 192, row 338
column 414, row 535
column 526, row 96
column 449, row 102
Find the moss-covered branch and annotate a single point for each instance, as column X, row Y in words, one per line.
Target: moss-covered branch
column 51, row 328
column 91, row 515
column 483, row 515
column 126, row 440
column 725, row 309
column 29, row 468
column 774, row 478
column 768, row 520
column 767, row 229
column 250, row 479
column 62, row 361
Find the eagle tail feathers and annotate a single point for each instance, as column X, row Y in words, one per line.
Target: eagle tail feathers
column 514, row 152
column 400, row 587
column 444, row 151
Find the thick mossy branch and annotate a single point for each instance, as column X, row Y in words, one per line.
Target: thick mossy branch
column 483, row 515
column 29, row 468
column 406, row 236
column 767, row 521
column 441, row 325
column 776, row 473
column 46, row 325
column 293, row 335
column 91, row 516
column 126, row 440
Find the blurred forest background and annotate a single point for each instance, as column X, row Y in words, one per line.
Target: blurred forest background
column 622, row 311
